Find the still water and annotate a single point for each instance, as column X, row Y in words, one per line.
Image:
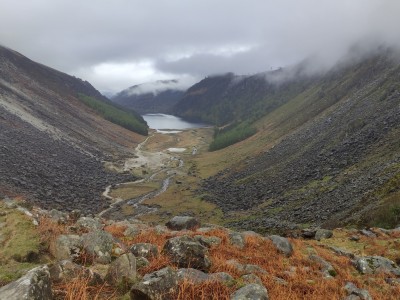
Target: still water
column 163, row 121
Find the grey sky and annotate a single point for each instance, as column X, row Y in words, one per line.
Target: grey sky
column 119, row 43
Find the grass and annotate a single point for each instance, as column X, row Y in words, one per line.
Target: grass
column 132, row 190
column 20, row 244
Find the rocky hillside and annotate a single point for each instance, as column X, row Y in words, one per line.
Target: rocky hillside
column 327, row 156
column 52, row 144
column 159, row 100
column 71, row 256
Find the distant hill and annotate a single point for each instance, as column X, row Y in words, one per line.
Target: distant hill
column 155, row 97
column 55, row 131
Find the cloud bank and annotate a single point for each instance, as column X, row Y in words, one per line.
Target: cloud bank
column 120, row 43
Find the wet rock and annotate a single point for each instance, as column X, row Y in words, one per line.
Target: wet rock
column 251, row 292
column 376, row 264
column 144, row 250
column 99, row 244
column 67, row 247
column 183, row 222
column 35, row 285
column 187, row 252
column 323, row 234
column 282, row 244
column 122, row 271
column 355, row 293
column 156, row 285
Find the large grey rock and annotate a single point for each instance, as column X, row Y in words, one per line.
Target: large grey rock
column 282, row 244
column 355, row 293
column 245, row 268
column 222, row 277
column 237, row 239
column 99, row 244
column 186, row 252
column 251, row 278
column 376, row 264
column 326, row 268
column 183, row 222
column 88, row 223
column 66, row 270
column 192, row 275
column 156, row 286
column 67, row 247
column 208, row 241
column 35, row 285
column 323, row 234
column 251, row 291
column 122, row 271
column 144, row 250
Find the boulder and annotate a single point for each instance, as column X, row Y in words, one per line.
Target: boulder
column 192, row 275
column 99, row 244
column 156, row 286
column 89, row 224
column 67, row 247
column 323, row 234
column 144, row 250
column 245, row 268
column 183, row 222
column 251, row 278
column 355, row 293
column 376, row 264
column 35, row 285
column 66, row 270
column 122, row 271
column 186, row 252
column 208, row 241
column 326, row 268
column 141, row 262
column 282, row 244
column 222, row 277
column 308, row 233
column 237, row 239
column 251, row 291
column 367, row 233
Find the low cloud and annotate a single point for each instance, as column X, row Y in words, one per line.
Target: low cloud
column 116, row 44
column 159, row 86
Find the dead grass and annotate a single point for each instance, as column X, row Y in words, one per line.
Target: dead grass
column 80, row 288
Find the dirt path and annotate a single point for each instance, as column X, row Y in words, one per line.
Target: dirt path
column 155, row 164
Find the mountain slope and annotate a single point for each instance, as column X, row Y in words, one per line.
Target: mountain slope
column 228, row 98
column 159, row 100
column 52, row 144
column 328, row 156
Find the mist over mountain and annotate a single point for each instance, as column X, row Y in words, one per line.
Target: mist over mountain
column 153, row 97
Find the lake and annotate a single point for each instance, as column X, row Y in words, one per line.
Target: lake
column 163, row 121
